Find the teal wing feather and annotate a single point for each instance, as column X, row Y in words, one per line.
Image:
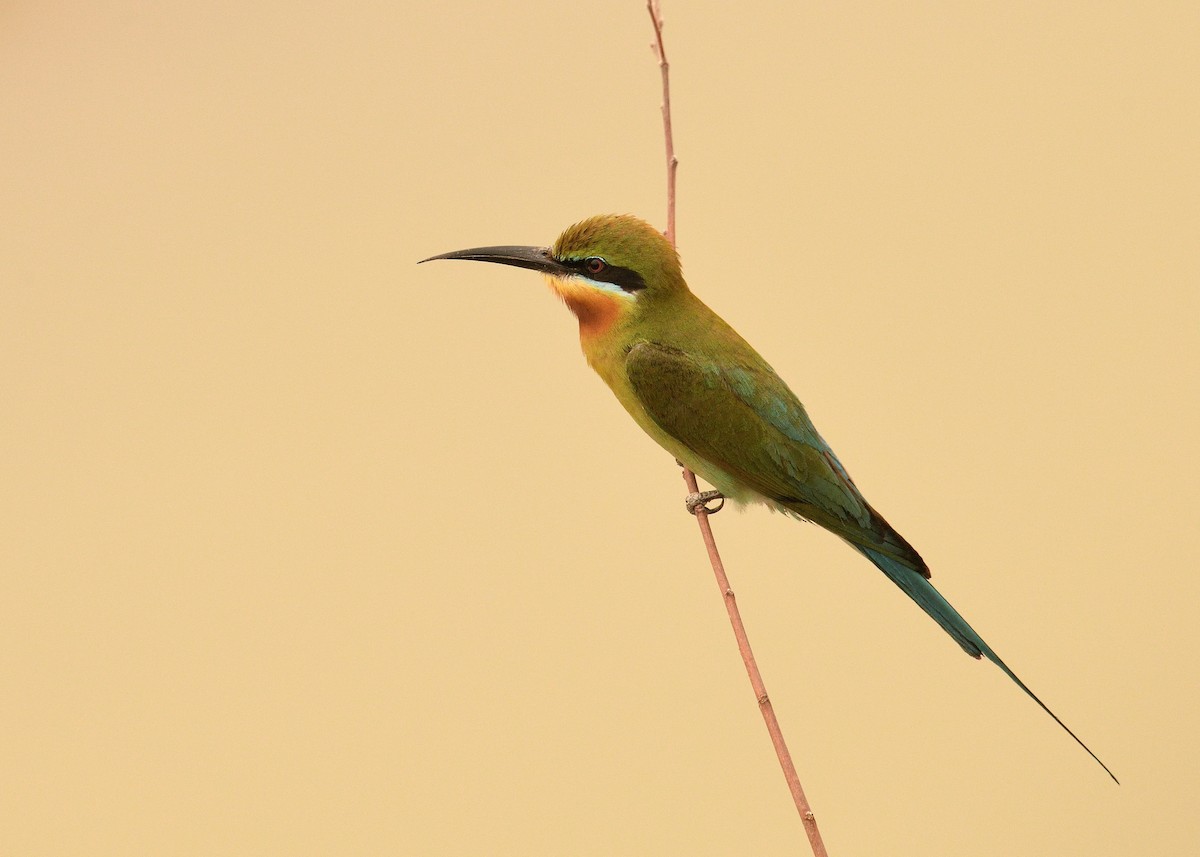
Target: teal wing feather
column 742, row 417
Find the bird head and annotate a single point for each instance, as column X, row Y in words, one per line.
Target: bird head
column 605, row 268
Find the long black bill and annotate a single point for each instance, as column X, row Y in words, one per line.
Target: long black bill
column 534, row 258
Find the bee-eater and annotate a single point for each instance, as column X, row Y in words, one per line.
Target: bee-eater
column 704, row 395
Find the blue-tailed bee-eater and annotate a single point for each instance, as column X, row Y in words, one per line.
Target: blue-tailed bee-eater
column 704, row 395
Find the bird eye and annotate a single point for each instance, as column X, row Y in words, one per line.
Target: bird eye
column 595, row 265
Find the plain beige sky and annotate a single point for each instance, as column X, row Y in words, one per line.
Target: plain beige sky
column 307, row 550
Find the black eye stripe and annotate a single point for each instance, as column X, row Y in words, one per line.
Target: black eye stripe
column 628, row 279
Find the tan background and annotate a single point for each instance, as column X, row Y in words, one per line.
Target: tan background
column 308, row 550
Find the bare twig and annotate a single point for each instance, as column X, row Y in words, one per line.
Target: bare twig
column 672, row 162
column 735, row 616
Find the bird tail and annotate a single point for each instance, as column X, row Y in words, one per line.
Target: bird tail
column 920, row 590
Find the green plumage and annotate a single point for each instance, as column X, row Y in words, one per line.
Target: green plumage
column 741, row 419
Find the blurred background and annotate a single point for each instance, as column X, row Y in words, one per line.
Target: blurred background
column 305, row 549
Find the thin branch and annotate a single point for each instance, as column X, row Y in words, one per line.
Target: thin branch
column 689, row 478
column 660, row 50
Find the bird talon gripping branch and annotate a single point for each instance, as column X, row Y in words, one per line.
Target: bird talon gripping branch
column 696, row 502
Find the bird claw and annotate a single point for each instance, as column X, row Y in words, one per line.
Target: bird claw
column 698, row 501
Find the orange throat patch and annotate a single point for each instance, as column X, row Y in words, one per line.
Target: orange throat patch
column 596, row 310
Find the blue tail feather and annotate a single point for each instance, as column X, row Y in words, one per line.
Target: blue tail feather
column 920, row 590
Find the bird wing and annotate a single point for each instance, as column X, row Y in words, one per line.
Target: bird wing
column 742, row 418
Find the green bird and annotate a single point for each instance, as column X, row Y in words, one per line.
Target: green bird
column 706, row 397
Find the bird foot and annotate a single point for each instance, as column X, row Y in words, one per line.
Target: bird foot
column 696, row 502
